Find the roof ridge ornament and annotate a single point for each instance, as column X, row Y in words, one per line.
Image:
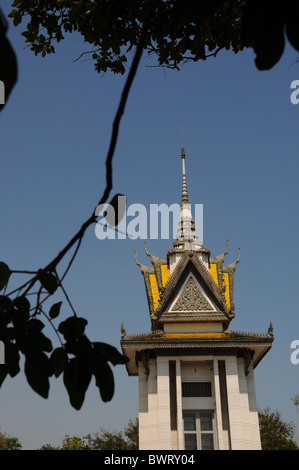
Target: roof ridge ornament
column 154, row 259
column 143, row 268
column 220, row 258
column 232, row 266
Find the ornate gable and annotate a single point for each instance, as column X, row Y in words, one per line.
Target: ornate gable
column 191, row 295
column 192, row 299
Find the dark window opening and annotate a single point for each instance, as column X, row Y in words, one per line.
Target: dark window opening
column 196, row 389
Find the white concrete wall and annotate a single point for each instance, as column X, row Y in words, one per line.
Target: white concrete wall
column 154, row 402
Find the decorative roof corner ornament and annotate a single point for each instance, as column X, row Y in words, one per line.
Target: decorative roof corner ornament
column 270, row 330
column 232, row 267
column 154, row 259
column 123, row 331
column 143, row 268
column 220, row 258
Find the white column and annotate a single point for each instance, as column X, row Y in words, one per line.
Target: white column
column 148, row 407
column 164, row 435
column 181, row 442
column 255, row 430
column 218, row 412
column 234, row 405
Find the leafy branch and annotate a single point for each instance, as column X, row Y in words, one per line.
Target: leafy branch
column 21, row 329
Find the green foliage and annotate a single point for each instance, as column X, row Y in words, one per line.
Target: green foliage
column 104, row 440
column 295, row 400
column 275, row 433
column 9, row 443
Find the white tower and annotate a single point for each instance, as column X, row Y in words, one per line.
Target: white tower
column 196, row 377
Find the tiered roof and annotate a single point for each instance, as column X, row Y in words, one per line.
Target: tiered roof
column 191, row 301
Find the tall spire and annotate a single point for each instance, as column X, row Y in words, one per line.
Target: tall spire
column 184, row 186
column 186, row 228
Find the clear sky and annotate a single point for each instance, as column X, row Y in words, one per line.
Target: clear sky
column 240, row 133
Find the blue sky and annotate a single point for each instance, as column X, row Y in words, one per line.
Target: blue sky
column 241, row 140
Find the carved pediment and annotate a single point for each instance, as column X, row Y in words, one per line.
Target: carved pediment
column 191, row 299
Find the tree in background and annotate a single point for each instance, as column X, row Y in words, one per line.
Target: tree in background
column 275, row 433
column 295, row 400
column 9, row 443
column 104, row 440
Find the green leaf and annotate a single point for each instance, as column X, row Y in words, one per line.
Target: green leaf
column 48, row 281
column 72, row 328
column 55, row 310
column 4, row 274
column 58, row 360
column 38, row 370
column 110, row 353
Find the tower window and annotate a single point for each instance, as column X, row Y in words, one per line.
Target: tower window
column 196, row 389
column 199, row 430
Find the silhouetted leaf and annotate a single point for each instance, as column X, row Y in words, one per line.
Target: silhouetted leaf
column 48, row 281
column 22, row 304
column 36, row 340
column 6, row 307
column 20, row 313
column 76, row 379
column 292, row 26
column 58, row 360
column 4, row 274
column 110, row 353
column 72, row 328
column 38, row 370
column 103, row 375
column 35, row 324
column 12, row 358
column 55, row 310
column 104, row 380
column 8, row 61
column 3, row 373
